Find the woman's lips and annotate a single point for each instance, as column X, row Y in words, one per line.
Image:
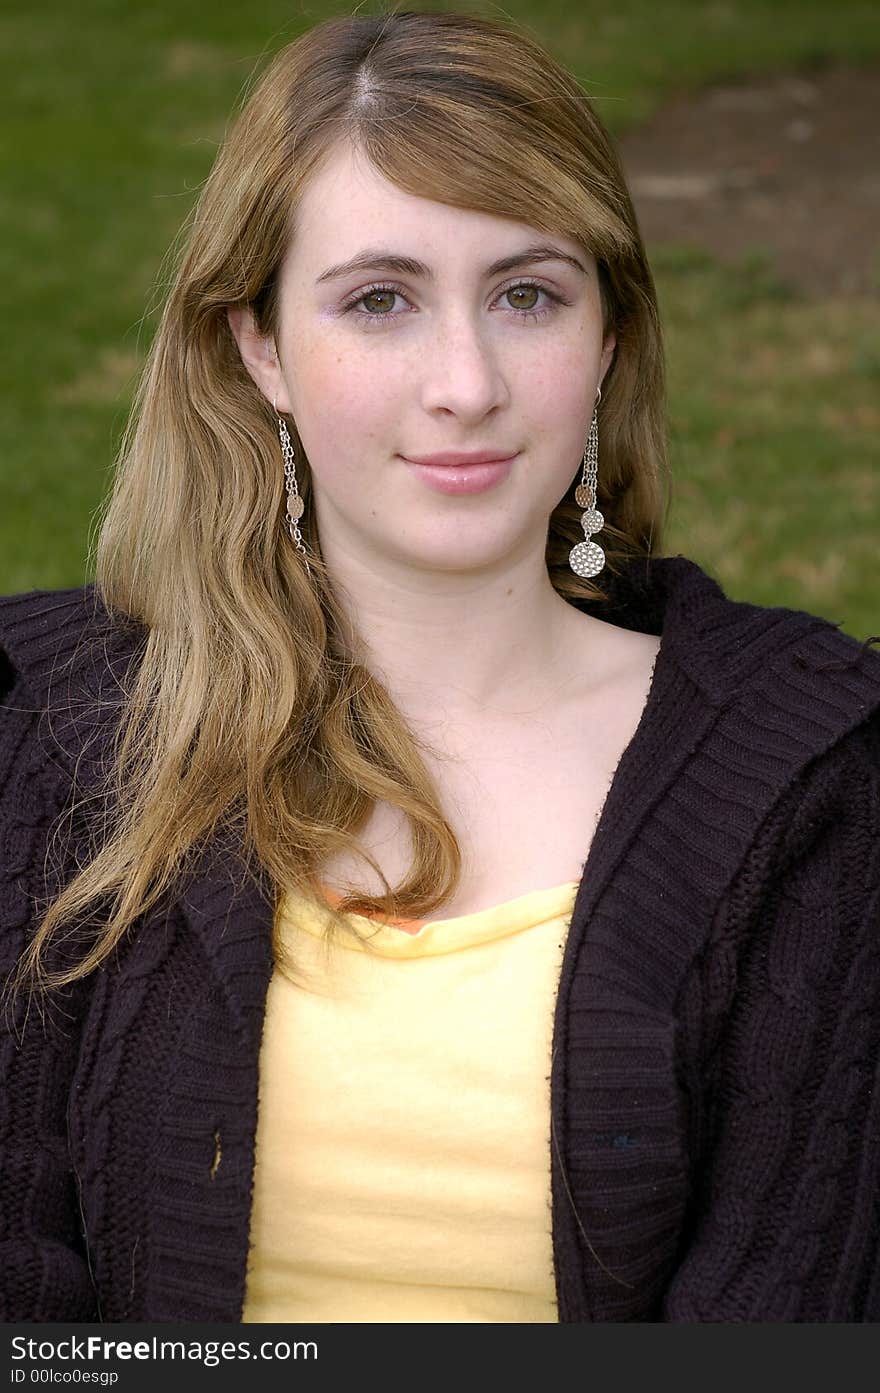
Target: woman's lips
column 462, row 478
column 461, row 456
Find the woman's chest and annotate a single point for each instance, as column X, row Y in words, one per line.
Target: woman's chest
column 523, row 798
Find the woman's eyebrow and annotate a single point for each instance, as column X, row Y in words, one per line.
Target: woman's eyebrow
column 380, row 259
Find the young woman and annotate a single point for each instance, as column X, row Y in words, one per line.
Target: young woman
column 420, row 901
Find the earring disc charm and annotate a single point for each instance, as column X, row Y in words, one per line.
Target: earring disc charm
column 586, row 559
column 583, row 496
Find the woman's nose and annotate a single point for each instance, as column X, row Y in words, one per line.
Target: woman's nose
column 462, row 369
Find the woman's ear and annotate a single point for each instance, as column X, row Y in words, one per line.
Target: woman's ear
column 607, row 357
column 258, row 354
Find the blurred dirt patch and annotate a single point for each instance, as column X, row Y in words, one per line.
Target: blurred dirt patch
column 786, row 166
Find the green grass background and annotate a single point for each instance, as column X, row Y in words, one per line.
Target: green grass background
column 113, row 113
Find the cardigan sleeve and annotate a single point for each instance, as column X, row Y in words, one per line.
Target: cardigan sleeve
column 44, row 1272
column 786, row 1221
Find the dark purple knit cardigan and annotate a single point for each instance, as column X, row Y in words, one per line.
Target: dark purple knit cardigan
column 715, row 1146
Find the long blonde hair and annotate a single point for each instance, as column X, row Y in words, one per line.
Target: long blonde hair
column 245, row 709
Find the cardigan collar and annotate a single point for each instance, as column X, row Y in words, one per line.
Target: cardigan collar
column 726, row 646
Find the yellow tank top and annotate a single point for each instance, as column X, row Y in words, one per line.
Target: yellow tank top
column 403, row 1140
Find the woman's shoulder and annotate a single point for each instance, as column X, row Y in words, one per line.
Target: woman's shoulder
column 40, row 629
column 46, row 635
column 63, row 655
column 741, row 650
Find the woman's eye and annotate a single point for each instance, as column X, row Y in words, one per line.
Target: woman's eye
column 385, row 295
column 531, row 292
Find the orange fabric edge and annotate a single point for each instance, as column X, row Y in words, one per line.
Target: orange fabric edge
column 407, row 925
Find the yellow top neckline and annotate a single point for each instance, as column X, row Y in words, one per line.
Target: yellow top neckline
column 440, row 935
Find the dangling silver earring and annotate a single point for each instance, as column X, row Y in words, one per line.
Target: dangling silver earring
column 295, row 505
column 587, row 558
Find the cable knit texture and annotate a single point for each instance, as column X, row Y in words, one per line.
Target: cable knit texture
column 715, row 1146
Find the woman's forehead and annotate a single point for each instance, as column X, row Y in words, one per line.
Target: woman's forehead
column 350, row 218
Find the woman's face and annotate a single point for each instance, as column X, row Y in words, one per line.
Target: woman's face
column 378, row 365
